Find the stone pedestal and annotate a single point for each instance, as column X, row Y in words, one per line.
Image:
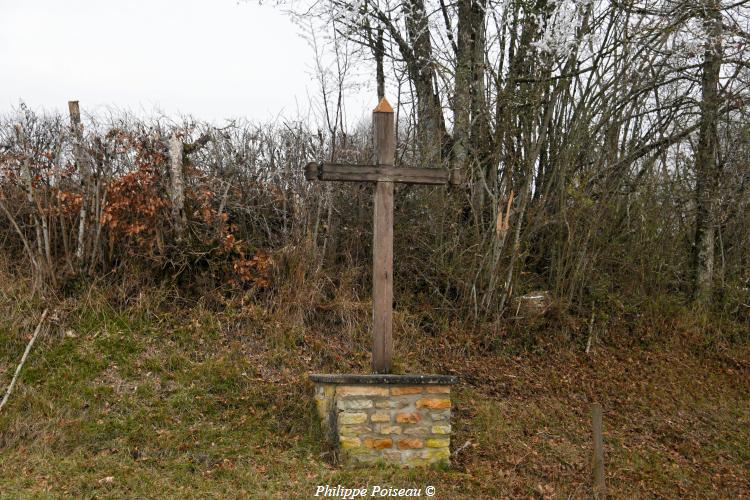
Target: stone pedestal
column 403, row 420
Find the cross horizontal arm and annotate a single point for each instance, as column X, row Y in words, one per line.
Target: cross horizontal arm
column 377, row 173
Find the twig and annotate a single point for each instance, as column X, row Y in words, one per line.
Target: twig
column 462, row 447
column 591, row 333
column 597, row 462
column 23, row 359
column 20, row 233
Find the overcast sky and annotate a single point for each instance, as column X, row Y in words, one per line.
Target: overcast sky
column 213, row 59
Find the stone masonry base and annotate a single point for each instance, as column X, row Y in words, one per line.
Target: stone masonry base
column 402, row 420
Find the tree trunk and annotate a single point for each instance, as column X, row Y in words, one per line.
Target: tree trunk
column 431, row 123
column 707, row 172
column 482, row 143
column 462, row 92
column 379, row 52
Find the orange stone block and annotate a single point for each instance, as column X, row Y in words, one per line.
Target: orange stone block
column 435, row 404
column 410, row 443
column 438, row 389
column 408, row 418
column 378, row 443
column 401, row 391
column 361, row 391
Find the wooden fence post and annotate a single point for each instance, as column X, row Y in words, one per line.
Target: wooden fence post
column 83, row 170
column 597, row 462
column 177, row 188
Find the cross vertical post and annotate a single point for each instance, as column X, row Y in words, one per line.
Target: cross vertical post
column 384, row 174
column 384, row 149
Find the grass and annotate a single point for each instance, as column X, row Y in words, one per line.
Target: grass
column 168, row 401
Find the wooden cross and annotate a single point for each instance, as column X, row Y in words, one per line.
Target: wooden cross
column 384, row 174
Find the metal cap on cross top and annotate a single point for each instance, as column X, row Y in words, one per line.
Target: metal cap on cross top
column 383, row 107
column 384, row 174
